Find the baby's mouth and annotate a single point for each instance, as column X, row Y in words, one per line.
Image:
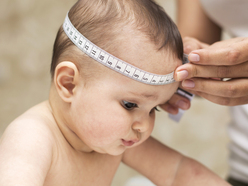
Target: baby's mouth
column 129, row 143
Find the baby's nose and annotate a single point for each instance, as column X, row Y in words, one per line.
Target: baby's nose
column 142, row 125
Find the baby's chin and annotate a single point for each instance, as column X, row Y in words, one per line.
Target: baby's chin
column 115, row 151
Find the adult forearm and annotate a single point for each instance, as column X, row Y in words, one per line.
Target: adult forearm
column 193, row 22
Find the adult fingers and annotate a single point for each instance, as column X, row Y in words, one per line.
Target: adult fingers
column 191, row 70
column 227, row 101
column 176, row 102
column 228, row 52
column 191, row 44
column 234, row 88
column 169, row 108
column 180, row 102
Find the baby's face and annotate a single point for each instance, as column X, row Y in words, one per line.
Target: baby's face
column 115, row 112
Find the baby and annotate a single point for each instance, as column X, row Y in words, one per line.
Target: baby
column 112, row 65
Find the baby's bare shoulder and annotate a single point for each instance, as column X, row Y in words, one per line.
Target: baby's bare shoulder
column 26, row 144
column 31, row 125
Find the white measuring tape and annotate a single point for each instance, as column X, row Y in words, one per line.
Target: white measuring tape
column 111, row 61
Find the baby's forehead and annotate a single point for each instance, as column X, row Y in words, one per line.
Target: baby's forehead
column 144, row 93
column 136, row 48
column 144, row 55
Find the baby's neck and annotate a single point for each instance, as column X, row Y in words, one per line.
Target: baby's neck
column 60, row 111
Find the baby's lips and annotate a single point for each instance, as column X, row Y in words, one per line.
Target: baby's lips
column 129, row 143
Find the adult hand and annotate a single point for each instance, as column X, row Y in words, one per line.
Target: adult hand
column 224, row 59
column 177, row 101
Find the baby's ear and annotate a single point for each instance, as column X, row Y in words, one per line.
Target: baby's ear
column 66, row 77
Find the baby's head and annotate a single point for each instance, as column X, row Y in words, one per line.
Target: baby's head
column 100, row 109
column 116, row 26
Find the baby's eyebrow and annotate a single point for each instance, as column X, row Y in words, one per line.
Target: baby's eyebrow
column 145, row 95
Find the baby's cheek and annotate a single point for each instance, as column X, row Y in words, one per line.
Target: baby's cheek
column 150, row 130
column 107, row 130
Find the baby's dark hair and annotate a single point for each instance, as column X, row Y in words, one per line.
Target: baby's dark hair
column 101, row 21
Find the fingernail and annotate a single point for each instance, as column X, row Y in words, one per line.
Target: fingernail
column 188, row 84
column 194, row 57
column 181, row 75
column 182, row 104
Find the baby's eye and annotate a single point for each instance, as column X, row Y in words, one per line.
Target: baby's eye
column 129, row 106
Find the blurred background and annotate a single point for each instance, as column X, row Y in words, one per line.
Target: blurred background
column 27, row 32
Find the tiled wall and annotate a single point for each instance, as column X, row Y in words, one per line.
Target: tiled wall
column 27, row 33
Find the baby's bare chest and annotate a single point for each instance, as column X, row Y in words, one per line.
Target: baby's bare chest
column 82, row 170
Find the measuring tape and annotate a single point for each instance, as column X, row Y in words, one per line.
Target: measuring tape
column 111, row 61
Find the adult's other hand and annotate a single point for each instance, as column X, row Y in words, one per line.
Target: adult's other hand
column 224, row 59
column 177, row 101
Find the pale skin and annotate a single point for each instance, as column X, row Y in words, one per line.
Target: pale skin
column 84, row 131
column 209, row 57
